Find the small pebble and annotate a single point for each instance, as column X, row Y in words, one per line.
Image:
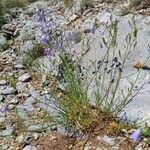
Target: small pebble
column 24, row 78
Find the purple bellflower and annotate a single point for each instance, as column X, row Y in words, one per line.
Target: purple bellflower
column 48, row 52
column 51, row 36
column 44, row 39
column 136, row 135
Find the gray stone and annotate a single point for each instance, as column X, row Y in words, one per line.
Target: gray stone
column 98, row 148
column 103, row 17
column 107, row 140
column 22, row 113
column 33, row 6
column 139, row 107
column 3, row 109
column 19, row 66
column 27, row 46
column 61, row 130
column 9, row 27
column 2, row 40
column 46, row 67
column 7, row 91
column 2, row 119
column 139, row 147
column 8, row 131
column 3, row 82
column 44, row 78
column 35, row 128
column 5, row 147
column 20, row 138
column 11, row 106
column 25, row 77
column 61, row 86
column 45, row 81
column 31, row 100
column 1, row 98
column 35, row 136
column 35, row 94
column 29, row 147
column 27, row 105
column 15, row 100
column 20, row 86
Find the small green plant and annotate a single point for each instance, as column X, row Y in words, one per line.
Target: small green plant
column 27, row 61
column 146, row 132
column 11, row 80
column 75, row 111
column 31, row 56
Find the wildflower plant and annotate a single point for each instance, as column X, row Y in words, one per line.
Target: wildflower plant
column 74, row 110
column 73, row 107
column 109, row 71
column 32, row 55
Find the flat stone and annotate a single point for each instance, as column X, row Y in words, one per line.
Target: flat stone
column 20, row 138
column 3, row 110
column 3, row 82
column 27, row 106
column 2, row 40
column 35, row 136
column 19, row 66
column 15, row 100
column 9, row 27
column 22, row 113
column 1, row 98
column 11, row 106
column 8, row 90
column 2, row 119
column 61, row 86
column 25, row 77
column 61, row 130
column 8, row 131
column 5, row 147
column 35, row 94
column 28, row 46
column 20, row 86
column 29, row 147
column 35, row 128
column 107, row 140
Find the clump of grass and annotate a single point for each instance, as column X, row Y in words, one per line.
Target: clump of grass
column 11, row 81
column 146, row 132
column 31, row 56
column 75, row 111
column 27, row 61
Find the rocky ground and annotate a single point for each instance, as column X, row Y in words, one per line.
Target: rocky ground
column 23, row 91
